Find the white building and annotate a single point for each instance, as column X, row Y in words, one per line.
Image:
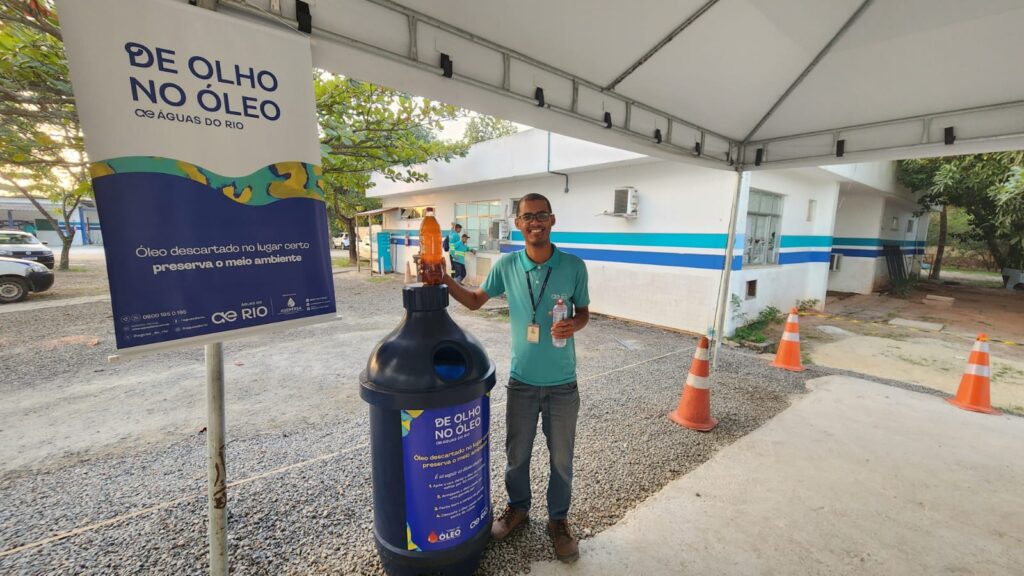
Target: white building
column 18, row 212
column 662, row 265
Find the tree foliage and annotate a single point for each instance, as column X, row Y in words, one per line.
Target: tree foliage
column 480, row 128
column 989, row 189
column 367, row 129
column 42, row 154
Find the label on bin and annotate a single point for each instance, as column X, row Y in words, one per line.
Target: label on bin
column 446, row 459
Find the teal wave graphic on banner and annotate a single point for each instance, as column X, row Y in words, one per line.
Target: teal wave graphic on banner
column 278, row 181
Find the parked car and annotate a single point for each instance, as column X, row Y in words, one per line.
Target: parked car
column 19, row 277
column 16, row 244
column 341, row 242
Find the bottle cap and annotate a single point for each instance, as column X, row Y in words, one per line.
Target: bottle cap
column 560, row 301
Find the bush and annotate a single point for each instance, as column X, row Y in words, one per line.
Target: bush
column 754, row 331
column 808, row 304
column 902, row 287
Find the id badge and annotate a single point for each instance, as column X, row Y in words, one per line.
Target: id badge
column 533, row 333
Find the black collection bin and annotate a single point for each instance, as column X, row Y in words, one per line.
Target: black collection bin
column 428, row 384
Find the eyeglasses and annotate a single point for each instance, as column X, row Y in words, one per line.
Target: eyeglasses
column 538, row 216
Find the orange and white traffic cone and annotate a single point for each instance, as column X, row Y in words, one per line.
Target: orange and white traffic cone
column 788, row 355
column 973, row 392
column 694, row 410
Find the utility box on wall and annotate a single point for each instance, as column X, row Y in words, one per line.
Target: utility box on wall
column 627, row 203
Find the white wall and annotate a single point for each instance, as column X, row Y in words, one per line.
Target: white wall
column 30, row 214
column 783, row 285
column 674, row 198
column 520, row 155
column 865, row 217
column 859, row 215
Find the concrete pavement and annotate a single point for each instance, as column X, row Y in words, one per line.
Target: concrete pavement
column 854, row 478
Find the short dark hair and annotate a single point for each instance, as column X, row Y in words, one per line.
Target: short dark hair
column 458, row 226
column 530, row 197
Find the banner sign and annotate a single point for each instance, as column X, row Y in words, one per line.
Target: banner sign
column 446, row 461
column 202, row 136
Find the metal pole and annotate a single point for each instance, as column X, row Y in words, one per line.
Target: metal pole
column 216, row 473
column 723, row 289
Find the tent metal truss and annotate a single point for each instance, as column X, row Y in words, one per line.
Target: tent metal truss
column 919, row 135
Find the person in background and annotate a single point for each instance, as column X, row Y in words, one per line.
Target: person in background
column 450, row 238
column 458, row 253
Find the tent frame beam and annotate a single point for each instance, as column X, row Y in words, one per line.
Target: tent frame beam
column 915, row 118
column 664, row 42
column 926, row 120
column 514, row 54
column 821, row 55
column 415, row 18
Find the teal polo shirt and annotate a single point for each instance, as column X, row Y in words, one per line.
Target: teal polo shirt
column 539, row 364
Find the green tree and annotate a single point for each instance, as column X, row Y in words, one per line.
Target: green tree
column 367, row 129
column 983, row 185
column 480, row 128
column 42, row 154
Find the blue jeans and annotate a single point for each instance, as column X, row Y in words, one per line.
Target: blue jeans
column 459, row 271
column 559, row 407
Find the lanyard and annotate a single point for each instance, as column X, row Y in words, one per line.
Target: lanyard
column 543, row 286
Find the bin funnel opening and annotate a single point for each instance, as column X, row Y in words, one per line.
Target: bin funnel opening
column 449, row 363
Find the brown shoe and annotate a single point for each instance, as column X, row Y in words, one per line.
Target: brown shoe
column 509, row 519
column 566, row 548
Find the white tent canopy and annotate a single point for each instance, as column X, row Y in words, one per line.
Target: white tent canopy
column 754, row 83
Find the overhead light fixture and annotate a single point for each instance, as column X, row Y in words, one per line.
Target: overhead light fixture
column 447, row 66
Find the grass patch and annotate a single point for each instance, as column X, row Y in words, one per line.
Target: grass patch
column 916, row 361
column 983, row 273
column 1006, row 372
column 754, row 331
column 378, row 279
column 902, row 287
column 340, row 262
column 73, row 269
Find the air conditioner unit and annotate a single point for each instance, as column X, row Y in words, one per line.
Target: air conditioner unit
column 627, row 202
column 833, row 261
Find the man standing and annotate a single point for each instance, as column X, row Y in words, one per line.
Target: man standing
column 543, row 377
column 458, row 253
column 450, row 239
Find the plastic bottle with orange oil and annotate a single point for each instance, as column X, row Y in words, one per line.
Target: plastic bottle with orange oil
column 431, row 255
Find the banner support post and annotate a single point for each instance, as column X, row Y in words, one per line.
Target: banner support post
column 216, row 473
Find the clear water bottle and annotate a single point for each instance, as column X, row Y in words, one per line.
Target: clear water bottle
column 558, row 313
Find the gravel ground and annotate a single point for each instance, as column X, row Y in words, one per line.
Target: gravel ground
column 302, row 502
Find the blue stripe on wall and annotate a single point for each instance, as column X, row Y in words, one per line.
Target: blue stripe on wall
column 668, row 240
column 803, row 257
column 703, row 261
column 861, row 253
column 400, row 241
column 664, row 240
column 806, row 241
column 874, row 242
